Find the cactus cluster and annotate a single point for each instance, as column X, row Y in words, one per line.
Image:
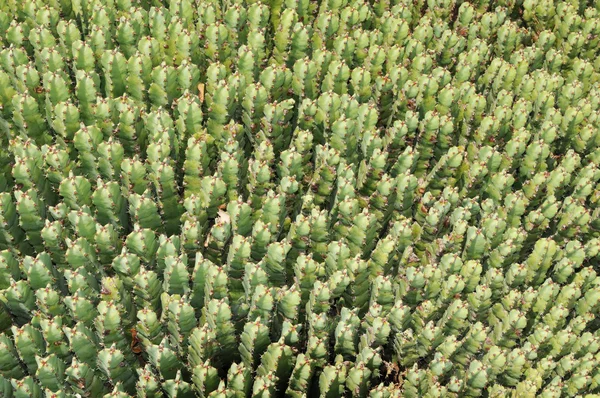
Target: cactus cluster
column 342, row 198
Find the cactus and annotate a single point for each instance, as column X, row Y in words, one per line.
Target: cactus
column 336, row 198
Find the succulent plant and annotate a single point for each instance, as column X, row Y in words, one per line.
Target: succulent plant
column 296, row 198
